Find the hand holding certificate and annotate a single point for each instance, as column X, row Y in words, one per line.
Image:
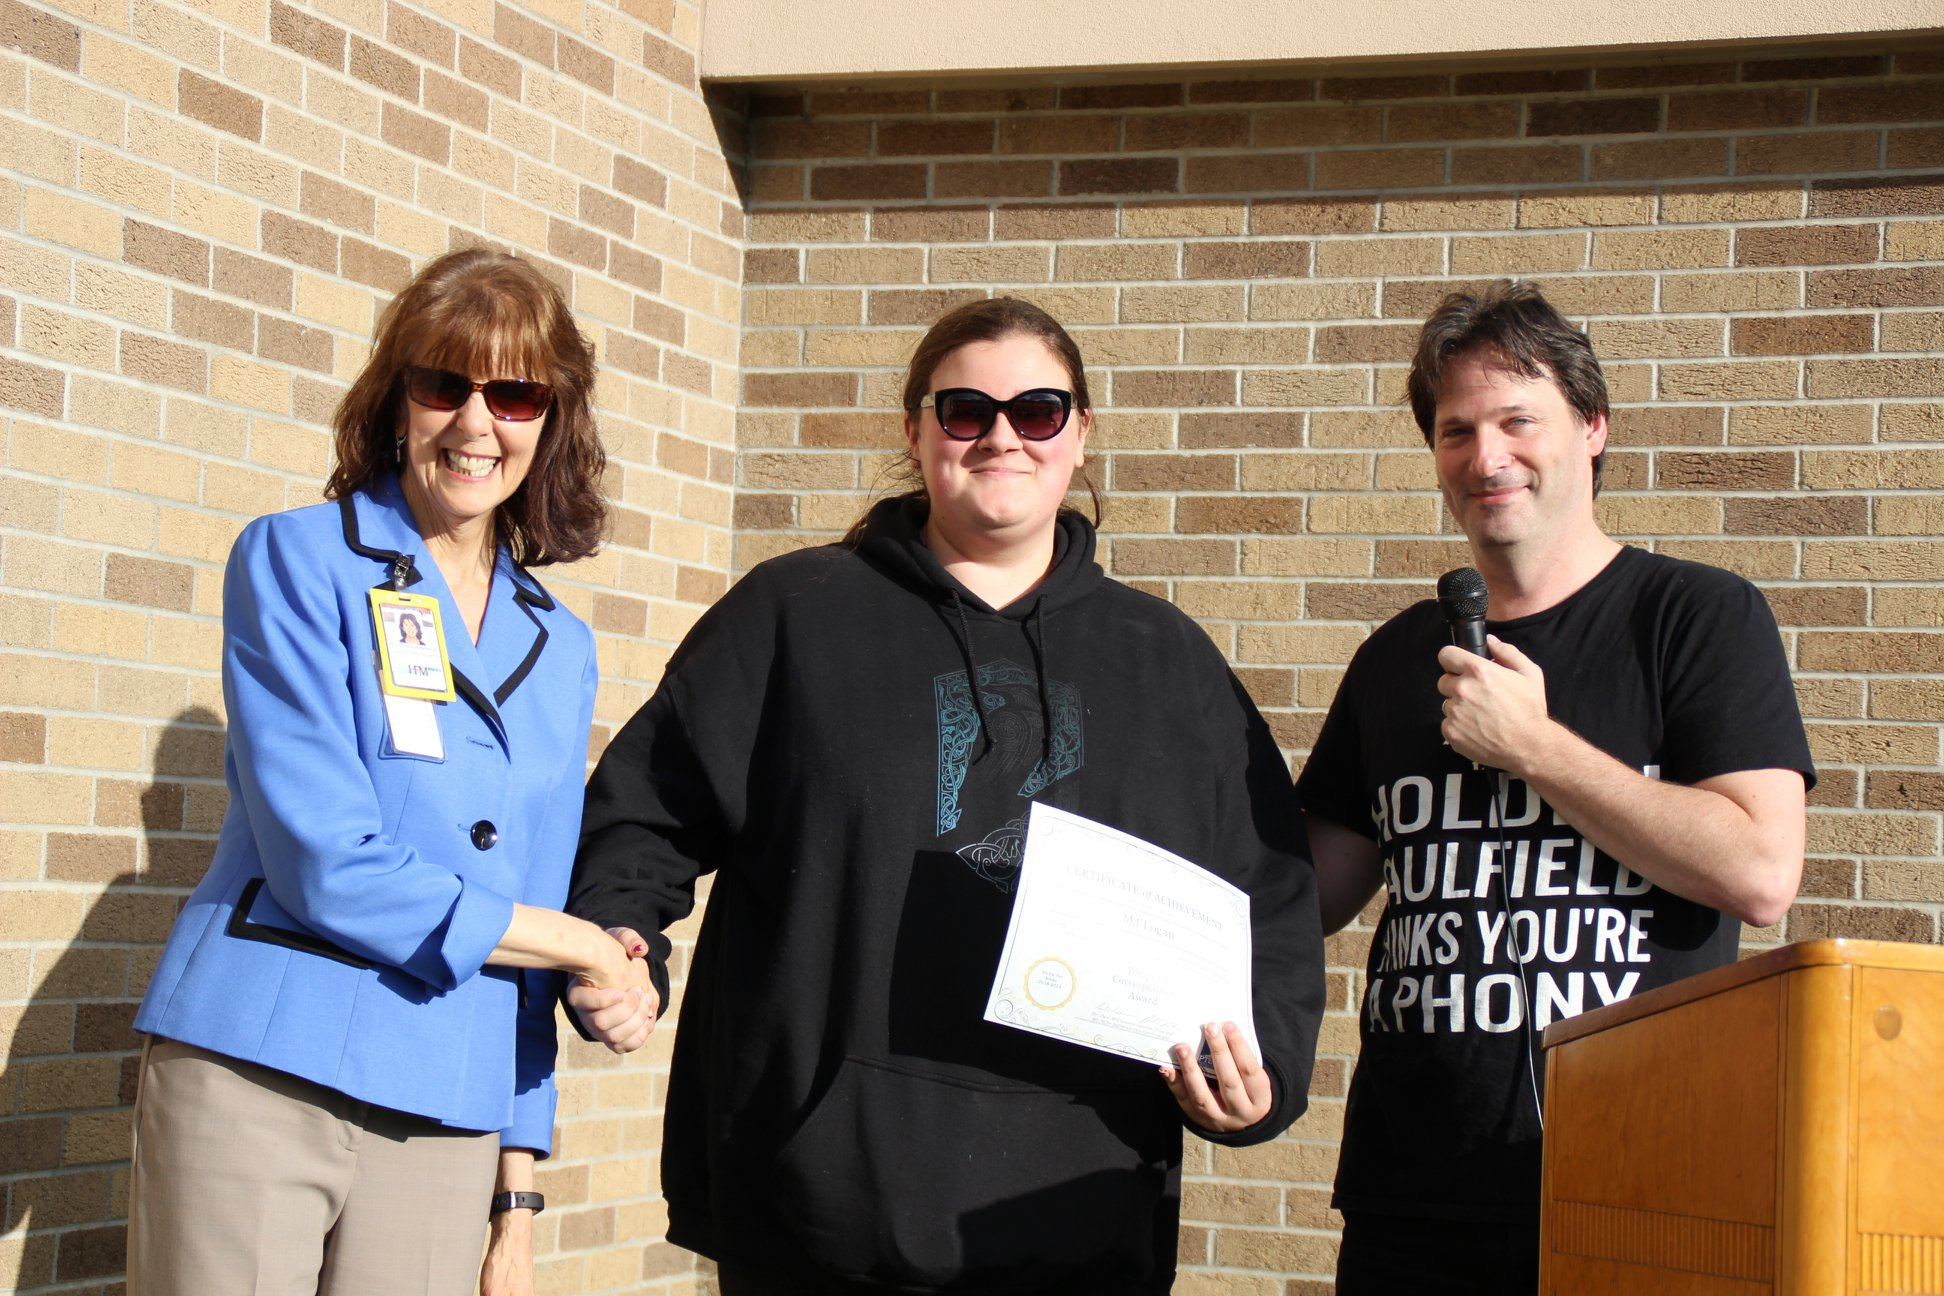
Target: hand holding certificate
column 1119, row 945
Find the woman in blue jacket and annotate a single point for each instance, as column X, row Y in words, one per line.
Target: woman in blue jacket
column 352, row 1025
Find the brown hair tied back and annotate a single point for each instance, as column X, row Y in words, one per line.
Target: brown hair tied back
column 480, row 311
column 1520, row 332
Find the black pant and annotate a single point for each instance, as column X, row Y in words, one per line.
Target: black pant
column 797, row 1277
column 1397, row 1255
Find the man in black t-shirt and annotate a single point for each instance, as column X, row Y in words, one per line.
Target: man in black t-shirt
column 1591, row 812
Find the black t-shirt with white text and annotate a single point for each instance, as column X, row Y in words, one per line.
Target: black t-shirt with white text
column 1673, row 668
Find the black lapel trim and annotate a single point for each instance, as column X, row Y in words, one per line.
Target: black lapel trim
column 349, row 513
column 480, row 702
column 528, row 599
column 463, row 686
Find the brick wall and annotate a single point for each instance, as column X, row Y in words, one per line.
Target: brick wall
column 202, row 206
column 1756, row 244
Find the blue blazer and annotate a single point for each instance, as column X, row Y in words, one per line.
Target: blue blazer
column 341, row 931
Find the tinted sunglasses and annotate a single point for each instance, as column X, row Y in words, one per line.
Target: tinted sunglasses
column 966, row 413
column 514, row 399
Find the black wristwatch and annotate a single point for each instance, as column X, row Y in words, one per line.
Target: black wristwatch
column 507, row 1201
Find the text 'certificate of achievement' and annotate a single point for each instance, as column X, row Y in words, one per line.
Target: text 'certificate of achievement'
column 1119, row 945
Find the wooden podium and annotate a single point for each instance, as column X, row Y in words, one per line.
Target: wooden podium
column 1776, row 1126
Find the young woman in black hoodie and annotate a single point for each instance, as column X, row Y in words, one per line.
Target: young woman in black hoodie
column 850, row 740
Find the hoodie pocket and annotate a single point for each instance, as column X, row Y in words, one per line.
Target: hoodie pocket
column 902, row 1176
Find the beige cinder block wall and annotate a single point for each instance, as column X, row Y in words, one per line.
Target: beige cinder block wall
column 202, row 205
column 1755, row 240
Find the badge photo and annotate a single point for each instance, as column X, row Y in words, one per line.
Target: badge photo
column 412, row 661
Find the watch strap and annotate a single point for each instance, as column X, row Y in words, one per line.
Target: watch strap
column 507, row 1201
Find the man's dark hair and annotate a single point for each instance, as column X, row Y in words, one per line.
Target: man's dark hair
column 1520, row 332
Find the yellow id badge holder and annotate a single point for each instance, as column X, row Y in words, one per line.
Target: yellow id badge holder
column 413, row 670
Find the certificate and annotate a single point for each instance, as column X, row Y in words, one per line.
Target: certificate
column 1119, row 945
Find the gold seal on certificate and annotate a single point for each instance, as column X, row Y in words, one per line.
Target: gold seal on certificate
column 1049, row 983
column 1119, row 945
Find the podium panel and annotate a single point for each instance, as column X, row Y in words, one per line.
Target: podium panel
column 1773, row 1128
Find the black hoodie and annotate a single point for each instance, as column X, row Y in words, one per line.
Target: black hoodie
column 835, row 1093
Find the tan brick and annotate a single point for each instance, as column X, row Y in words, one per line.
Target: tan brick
column 1913, row 241
column 1266, row 556
column 48, row 799
column 1380, row 168
column 1593, row 207
column 1312, row 216
column 1659, row 159
column 1730, row 380
column 1056, row 221
column 1312, row 301
column 1742, row 201
column 1131, row 346
column 1873, row 469
column 991, row 264
column 1912, row 331
column 1912, row 607
column 1173, row 557
column 1519, row 164
column 1431, row 123
column 1024, row 179
column 858, row 347
column 1725, row 470
column 1246, row 259
column 1317, row 125
column 1249, row 344
column 1802, row 334
column 1212, row 303
column 1901, row 286
column 1736, row 291
column 865, row 265
column 1346, row 429
column 1806, row 245
column 1171, row 388
column 1656, row 339
column 1518, row 254
column 1866, row 378
column 1910, row 516
column 57, row 452
column 1912, row 422
column 1346, row 258
column 1182, row 220
column 788, row 471
column 1116, row 261
column 1234, row 600
column 1795, row 153
column 1372, row 515
column 1300, row 387
column 1635, row 515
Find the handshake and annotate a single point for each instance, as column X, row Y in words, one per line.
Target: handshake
column 614, row 998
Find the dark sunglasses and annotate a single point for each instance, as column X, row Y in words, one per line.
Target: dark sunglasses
column 514, row 399
column 966, row 413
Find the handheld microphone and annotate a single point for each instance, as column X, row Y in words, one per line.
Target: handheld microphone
column 1463, row 600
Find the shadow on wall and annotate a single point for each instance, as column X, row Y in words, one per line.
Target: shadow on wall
column 67, row 1085
column 729, row 114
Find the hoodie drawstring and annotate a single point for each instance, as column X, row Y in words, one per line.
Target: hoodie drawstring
column 972, row 673
column 1037, row 640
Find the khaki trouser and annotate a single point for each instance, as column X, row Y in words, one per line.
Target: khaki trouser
column 251, row 1182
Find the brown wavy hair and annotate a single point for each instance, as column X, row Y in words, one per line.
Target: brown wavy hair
column 482, row 311
column 1521, row 333
column 990, row 320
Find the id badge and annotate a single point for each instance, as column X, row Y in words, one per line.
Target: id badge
column 412, row 660
column 414, row 728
